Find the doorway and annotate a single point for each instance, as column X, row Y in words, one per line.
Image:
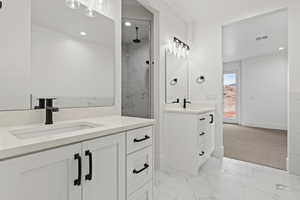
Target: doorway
column 255, row 70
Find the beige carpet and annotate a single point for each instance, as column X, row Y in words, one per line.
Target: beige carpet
column 261, row 146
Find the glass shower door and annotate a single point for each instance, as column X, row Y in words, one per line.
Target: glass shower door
column 136, row 69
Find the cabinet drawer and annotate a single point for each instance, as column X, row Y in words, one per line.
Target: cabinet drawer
column 204, row 121
column 138, row 139
column 202, row 155
column 203, row 136
column 145, row 193
column 139, row 169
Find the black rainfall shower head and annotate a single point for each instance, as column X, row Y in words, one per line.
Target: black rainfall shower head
column 137, row 40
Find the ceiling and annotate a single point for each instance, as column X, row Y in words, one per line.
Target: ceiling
column 131, row 2
column 255, row 36
column 225, row 10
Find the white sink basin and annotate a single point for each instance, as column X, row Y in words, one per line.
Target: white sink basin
column 52, row 130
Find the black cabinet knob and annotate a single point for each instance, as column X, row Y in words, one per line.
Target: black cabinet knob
column 202, row 153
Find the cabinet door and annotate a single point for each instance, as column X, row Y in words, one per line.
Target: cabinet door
column 106, row 180
column 46, row 175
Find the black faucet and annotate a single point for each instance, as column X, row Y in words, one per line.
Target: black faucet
column 49, row 111
column 185, row 101
column 42, row 104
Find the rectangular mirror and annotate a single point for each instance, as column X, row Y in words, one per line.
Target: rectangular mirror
column 71, row 58
column 177, row 74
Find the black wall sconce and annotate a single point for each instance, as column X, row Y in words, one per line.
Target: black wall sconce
column 174, row 81
column 200, row 80
column 180, row 43
column 178, row 48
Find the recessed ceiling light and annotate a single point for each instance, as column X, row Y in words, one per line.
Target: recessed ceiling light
column 83, row 33
column 128, row 23
column 281, row 48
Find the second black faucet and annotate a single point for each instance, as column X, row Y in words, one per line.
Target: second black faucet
column 49, row 111
column 185, row 101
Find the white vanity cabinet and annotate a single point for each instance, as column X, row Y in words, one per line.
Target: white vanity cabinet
column 189, row 138
column 113, row 167
column 46, row 175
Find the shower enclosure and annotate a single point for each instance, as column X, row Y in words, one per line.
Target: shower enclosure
column 136, row 68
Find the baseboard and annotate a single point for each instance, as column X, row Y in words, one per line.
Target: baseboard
column 264, row 125
column 219, row 152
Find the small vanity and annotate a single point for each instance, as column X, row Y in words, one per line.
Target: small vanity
column 189, row 137
column 189, row 127
column 101, row 158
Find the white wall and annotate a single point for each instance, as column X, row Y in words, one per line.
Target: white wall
column 263, row 90
column 207, row 59
column 294, row 89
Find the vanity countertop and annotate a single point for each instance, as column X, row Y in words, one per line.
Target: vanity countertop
column 11, row 146
column 194, row 111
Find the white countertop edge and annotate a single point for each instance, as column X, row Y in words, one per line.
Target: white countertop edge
column 88, row 134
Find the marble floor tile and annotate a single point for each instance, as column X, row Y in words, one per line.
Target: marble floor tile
column 228, row 179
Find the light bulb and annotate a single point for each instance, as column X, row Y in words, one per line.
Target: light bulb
column 128, row 23
column 170, row 47
column 281, row 48
column 73, row 4
column 174, row 48
column 83, row 33
column 90, row 12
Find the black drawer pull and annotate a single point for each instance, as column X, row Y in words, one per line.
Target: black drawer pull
column 203, row 133
column 146, row 166
column 202, row 153
column 211, row 118
column 202, row 119
column 141, row 140
column 89, row 176
column 77, row 182
column 1, row 4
